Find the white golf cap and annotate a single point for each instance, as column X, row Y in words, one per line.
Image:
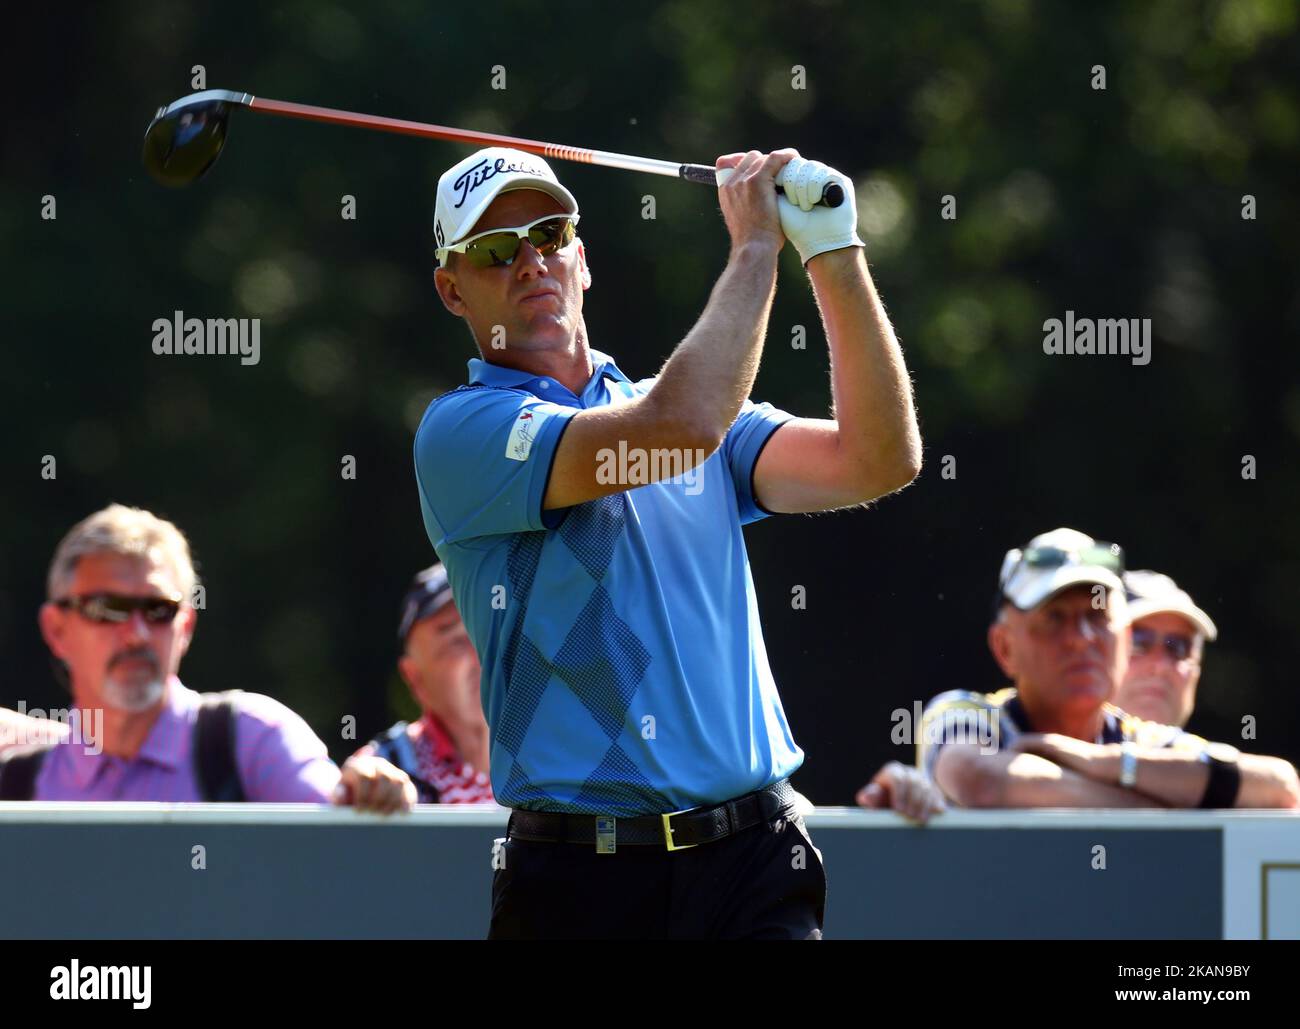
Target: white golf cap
column 1056, row 560
column 466, row 188
column 1151, row 593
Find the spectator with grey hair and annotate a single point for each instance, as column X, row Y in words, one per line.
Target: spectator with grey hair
column 1169, row 633
column 119, row 617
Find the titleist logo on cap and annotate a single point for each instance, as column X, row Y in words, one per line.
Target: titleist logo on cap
column 470, row 179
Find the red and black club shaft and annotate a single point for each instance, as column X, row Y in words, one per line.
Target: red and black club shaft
column 185, row 138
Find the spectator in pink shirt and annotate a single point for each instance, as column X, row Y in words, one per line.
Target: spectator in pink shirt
column 119, row 617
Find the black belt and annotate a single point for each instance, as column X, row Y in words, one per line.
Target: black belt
column 675, row 831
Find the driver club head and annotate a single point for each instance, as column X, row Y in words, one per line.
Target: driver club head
column 185, row 138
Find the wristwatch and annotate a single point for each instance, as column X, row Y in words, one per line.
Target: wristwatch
column 1225, row 776
column 1128, row 764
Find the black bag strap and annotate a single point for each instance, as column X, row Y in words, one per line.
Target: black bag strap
column 387, row 743
column 216, row 767
column 394, row 746
column 19, row 768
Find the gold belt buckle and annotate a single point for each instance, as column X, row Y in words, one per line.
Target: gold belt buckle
column 668, row 831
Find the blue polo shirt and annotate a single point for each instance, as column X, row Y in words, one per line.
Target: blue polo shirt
column 624, row 671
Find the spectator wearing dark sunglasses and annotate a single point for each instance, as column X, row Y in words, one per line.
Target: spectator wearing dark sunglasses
column 1054, row 739
column 1169, row 633
column 118, row 620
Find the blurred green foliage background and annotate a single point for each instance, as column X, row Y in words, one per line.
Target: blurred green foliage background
column 1124, row 202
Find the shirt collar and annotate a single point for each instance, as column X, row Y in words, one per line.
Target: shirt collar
column 1111, row 728
column 168, row 742
column 436, row 733
column 484, row 373
column 1015, row 710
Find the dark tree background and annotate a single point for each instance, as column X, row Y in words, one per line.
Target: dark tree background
column 1124, row 202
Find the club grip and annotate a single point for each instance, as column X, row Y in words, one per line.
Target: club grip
column 700, row 173
column 832, row 195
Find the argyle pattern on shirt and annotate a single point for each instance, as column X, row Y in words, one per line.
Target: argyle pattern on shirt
column 601, row 664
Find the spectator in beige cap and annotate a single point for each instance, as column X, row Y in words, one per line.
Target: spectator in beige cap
column 1169, row 633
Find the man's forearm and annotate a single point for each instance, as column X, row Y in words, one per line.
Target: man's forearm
column 1175, row 778
column 1029, row 784
column 1178, row 778
column 1267, row 782
column 709, row 375
column 871, row 391
column 1016, row 780
column 20, row 730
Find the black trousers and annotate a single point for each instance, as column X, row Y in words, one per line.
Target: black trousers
column 765, row 883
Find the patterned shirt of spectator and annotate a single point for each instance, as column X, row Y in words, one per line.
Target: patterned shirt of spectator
column 995, row 720
column 424, row 750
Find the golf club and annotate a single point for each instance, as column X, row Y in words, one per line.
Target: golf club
column 185, row 139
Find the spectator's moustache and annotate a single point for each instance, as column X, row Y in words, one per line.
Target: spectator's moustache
column 135, row 654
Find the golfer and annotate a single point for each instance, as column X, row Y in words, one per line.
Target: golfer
column 591, row 529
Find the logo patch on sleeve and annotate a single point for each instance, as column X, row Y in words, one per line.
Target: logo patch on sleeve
column 522, row 434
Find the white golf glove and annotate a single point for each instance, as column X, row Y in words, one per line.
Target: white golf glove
column 815, row 230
